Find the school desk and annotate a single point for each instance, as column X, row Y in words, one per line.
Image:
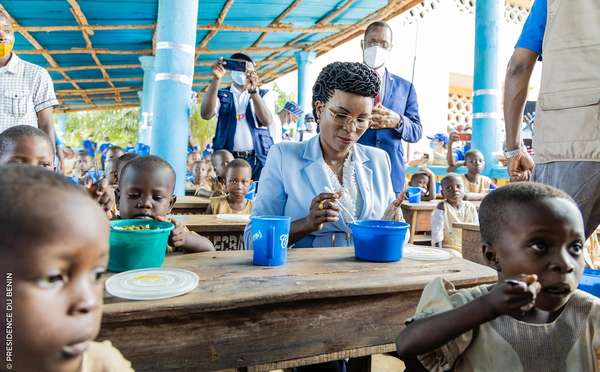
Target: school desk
column 190, row 205
column 323, row 305
column 419, row 216
column 471, row 242
column 225, row 235
column 190, row 191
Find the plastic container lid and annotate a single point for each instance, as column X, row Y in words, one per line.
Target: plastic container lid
column 426, row 254
column 151, row 284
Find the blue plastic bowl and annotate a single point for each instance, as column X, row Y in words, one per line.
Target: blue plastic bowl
column 590, row 282
column 379, row 241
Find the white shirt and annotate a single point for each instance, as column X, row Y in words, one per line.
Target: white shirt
column 242, row 140
column 25, row 90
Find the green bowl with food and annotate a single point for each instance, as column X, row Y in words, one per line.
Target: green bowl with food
column 137, row 244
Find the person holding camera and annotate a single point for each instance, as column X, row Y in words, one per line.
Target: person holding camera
column 243, row 116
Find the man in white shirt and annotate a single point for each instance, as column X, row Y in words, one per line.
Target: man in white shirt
column 243, row 117
column 26, row 90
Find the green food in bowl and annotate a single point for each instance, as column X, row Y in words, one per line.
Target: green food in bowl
column 137, row 244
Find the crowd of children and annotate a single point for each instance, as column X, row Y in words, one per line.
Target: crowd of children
column 533, row 318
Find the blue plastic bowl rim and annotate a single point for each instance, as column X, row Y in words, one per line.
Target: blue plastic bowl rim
column 401, row 225
column 137, row 221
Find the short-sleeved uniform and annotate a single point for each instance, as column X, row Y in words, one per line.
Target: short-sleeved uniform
column 570, row 343
column 25, row 90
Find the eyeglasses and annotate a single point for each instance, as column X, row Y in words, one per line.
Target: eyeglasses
column 346, row 120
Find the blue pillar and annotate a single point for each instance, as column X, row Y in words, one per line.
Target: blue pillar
column 304, row 61
column 60, row 123
column 147, row 100
column 485, row 86
column 174, row 68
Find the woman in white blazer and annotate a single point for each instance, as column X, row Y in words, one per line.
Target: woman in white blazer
column 326, row 182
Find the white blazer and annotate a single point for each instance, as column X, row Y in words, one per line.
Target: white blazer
column 295, row 174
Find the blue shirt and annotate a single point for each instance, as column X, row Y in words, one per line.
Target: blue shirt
column 532, row 36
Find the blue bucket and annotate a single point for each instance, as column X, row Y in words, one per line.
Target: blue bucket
column 379, row 241
column 414, row 195
column 590, row 282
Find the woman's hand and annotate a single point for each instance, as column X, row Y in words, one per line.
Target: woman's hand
column 513, row 296
column 394, row 210
column 323, row 209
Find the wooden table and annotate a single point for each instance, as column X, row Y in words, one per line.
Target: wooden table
column 471, row 242
column 419, row 216
column 225, row 235
column 190, row 191
column 323, row 305
column 190, row 205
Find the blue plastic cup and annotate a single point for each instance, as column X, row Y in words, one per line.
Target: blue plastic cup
column 251, row 191
column 590, row 282
column 414, row 195
column 438, row 187
column 269, row 240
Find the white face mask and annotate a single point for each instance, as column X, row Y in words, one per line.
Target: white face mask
column 238, row 77
column 375, row 56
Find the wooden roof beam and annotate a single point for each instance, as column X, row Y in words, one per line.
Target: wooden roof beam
column 82, row 21
column 277, row 28
column 207, row 38
column 39, row 47
column 335, row 13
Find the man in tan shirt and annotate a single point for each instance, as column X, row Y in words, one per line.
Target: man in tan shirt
column 566, row 140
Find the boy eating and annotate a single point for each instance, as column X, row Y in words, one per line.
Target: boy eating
column 238, row 177
column 62, row 236
column 146, row 186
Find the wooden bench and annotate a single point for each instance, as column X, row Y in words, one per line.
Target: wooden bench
column 190, row 205
column 471, row 242
column 419, row 216
column 323, row 305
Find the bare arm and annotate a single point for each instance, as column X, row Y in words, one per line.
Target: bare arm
column 195, row 243
column 431, row 187
column 210, row 99
column 518, row 74
column 263, row 114
column 46, row 123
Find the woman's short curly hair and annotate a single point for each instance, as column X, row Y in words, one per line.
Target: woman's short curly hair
column 350, row 77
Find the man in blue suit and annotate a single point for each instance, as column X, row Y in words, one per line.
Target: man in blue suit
column 396, row 116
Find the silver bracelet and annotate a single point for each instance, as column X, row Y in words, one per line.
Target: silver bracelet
column 509, row 154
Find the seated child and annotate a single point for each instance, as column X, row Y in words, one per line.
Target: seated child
column 452, row 210
column 192, row 157
column 114, row 152
column 477, row 185
column 24, row 144
column 439, row 147
column 220, row 159
column 533, row 318
column 121, row 161
column 238, row 177
column 146, row 186
column 201, row 181
column 425, row 179
column 111, row 168
column 62, row 236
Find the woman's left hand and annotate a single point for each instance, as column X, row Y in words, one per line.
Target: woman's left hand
column 394, row 210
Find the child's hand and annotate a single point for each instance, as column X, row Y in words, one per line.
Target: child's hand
column 179, row 234
column 104, row 194
column 514, row 296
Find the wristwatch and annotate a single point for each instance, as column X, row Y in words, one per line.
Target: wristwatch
column 252, row 92
column 509, row 154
